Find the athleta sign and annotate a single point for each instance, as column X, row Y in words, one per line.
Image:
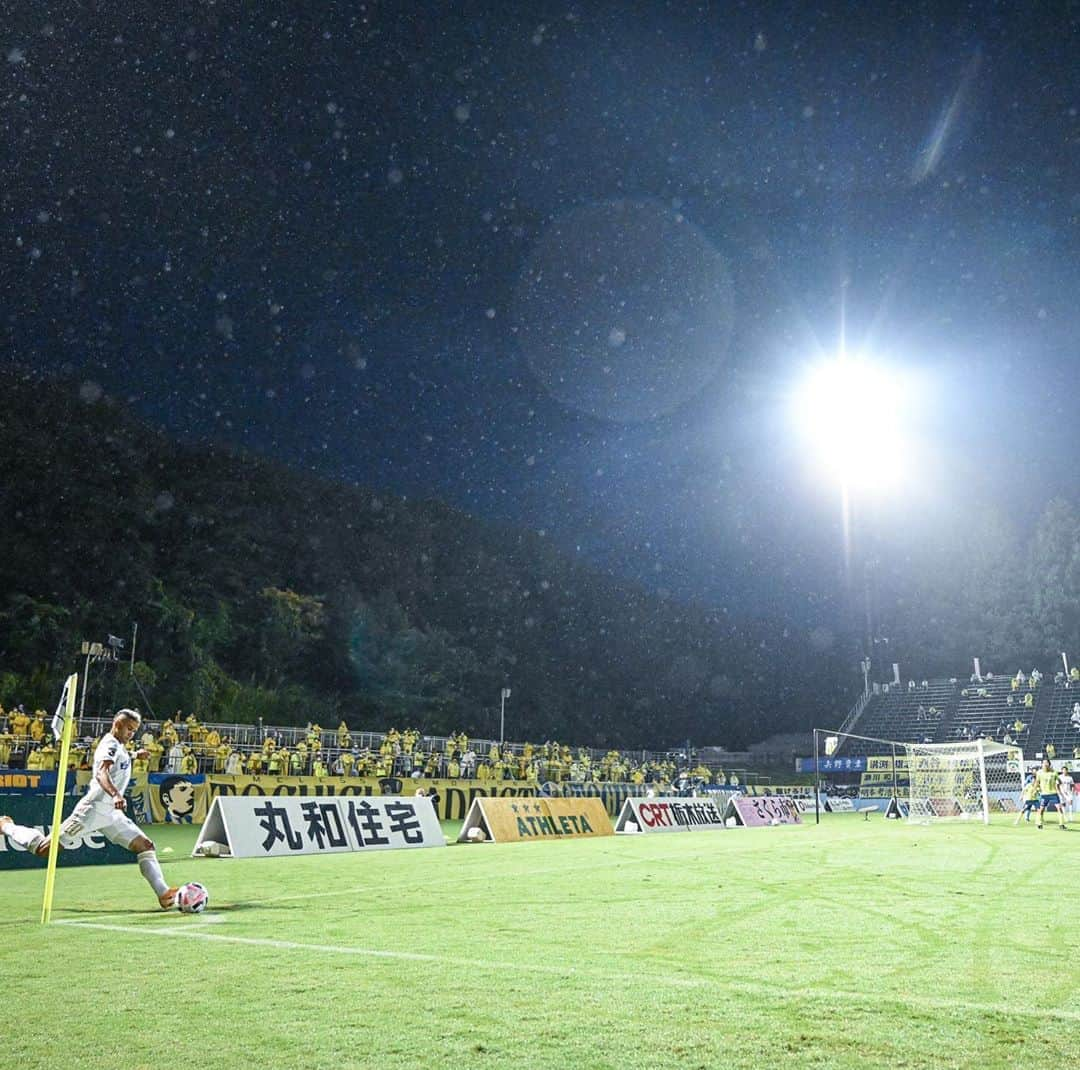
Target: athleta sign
column 668, row 815
column 272, row 826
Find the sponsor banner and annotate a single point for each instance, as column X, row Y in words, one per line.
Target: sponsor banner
column 839, row 804
column 791, row 790
column 510, row 820
column 669, row 815
column 901, row 777
column 770, row 810
column 611, row 794
column 176, row 798
column 90, row 848
column 32, row 782
column 273, row 826
column 831, row 765
column 452, row 798
column 884, row 763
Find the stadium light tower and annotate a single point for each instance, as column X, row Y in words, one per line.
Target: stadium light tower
column 502, row 716
column 850, row 412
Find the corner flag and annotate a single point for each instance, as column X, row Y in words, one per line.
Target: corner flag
column 63, row 724
column 60, row 717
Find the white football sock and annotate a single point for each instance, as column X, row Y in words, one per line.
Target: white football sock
column 24, row 836
column 150, row 868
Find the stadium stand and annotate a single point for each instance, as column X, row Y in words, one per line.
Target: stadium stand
column 907, row 715
column 1002, row 708
column 1059, row 727
column 990, row 708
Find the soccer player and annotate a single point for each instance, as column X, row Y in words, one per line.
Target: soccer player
column 1029, row 797
column 1067, row 791
column 1048, row 777
column 102, row 808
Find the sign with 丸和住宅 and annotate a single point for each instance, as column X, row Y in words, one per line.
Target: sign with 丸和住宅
column 271, row 826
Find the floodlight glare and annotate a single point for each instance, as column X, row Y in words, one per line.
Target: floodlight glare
column 850, row 412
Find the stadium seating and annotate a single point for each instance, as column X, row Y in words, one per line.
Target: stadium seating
column 1057, row 728
column 909, row 716
column 982, row 708
column 942, row 711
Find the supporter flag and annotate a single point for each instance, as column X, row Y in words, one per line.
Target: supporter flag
column 61, row 711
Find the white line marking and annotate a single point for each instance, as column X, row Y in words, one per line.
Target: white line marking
column 363, row 952
column 621, row 977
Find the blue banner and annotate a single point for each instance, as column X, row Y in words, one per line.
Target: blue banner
column 32, row 782
column 831, row 765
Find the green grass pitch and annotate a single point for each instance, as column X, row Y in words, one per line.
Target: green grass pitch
column 853, row 944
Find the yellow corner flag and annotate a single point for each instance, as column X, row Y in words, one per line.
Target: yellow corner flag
column 63, row 726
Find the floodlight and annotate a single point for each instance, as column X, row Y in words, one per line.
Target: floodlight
column 850, row 410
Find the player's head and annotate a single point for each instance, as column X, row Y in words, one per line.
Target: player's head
column 125, row 724
column 1046, row 764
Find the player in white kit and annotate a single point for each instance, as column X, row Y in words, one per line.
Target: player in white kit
column 102, row 808
column 1066, row 791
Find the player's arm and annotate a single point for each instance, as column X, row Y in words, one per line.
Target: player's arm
column 104, row 779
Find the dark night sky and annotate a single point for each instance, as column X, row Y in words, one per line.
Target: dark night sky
column 559, row 264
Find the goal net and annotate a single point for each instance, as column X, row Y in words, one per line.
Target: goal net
column 962, row 781
column 966, row 781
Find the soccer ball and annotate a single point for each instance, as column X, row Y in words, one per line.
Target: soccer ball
column 192, row 898
column 476, row 834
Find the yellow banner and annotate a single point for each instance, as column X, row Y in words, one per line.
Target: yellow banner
column 884, row 764
column 176, row 799
column 510, row 820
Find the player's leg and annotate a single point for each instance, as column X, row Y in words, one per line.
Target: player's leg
column 124, row 831
column 1042, row 810
column 28, row 838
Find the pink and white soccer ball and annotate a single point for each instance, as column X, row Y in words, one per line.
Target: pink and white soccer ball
column 192, row 898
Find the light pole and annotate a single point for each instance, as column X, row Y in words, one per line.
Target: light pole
column 851, row 412
column 502, row 716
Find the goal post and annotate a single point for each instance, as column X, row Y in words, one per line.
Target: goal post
column 965, row 780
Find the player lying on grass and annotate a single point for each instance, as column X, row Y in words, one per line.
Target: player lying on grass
column 101, row 809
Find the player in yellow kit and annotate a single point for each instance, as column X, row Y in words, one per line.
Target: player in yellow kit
column 1047, row 778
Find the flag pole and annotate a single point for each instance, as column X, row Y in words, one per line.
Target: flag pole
column 66, row 710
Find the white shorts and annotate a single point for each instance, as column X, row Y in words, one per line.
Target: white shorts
column 113, row 824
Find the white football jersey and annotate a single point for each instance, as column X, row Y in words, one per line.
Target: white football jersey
column 110, row 749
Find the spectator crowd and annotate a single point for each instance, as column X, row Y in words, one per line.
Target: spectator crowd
column 183, row 744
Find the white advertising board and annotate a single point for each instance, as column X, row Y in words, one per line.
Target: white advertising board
column 271, row 826
column 670, row 814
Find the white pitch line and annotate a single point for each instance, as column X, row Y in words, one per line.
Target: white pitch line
column 363, row 952
column 656, row 980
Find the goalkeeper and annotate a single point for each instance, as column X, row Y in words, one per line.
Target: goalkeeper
column 102, row 808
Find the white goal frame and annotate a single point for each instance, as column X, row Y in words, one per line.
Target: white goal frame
column 961, row 781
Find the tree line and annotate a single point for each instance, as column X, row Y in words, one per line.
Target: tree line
column 265, row 592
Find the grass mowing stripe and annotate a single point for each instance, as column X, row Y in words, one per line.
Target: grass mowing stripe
column 661, row 980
